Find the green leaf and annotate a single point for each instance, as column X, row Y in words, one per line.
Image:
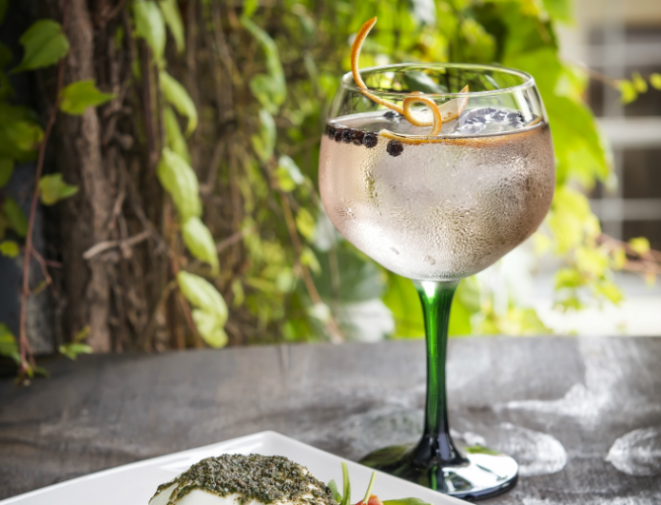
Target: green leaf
column 305, row 223
column 639, row 83
column 210, row 313
column 336, row 494
column 271, row 89
column 346, row 485
column 200, row 243
column 149, row 25
column 9, row 248
column 82, row 334
column 6, row 170
column 45, row 43
column 369, row 489
column 172, row 16
column 53, row 189
column 20, row 133
column 73, row 350
column 177, row 95
column 309, row 259
column 8, row 345
column 560, row 10
column 640, row 245
column 264, row 142
column 174, row 137
column 288, row 174
column 78, row 96
column 203, row 295
column 15, row 217
column 249, row 7
column 478, row 449
column 628, row 91
column 210, row 328
column 402, row 300
column 655, row 81
column 180, row 181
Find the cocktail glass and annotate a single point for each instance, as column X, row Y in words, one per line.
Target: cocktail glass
column 436, row 209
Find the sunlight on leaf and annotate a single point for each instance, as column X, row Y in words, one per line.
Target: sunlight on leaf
column 180, row 181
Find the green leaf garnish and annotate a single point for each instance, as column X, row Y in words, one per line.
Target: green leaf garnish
column 346, row 492
column 336, row 494
column 369, row 489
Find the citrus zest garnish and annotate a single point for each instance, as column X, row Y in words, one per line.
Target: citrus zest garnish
column 355, row 53
column 447, row 112
column 438, row 120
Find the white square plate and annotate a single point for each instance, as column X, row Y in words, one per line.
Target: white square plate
column 136, row 483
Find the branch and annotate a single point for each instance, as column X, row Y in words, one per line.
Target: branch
column 24, row 344
column 110, row 244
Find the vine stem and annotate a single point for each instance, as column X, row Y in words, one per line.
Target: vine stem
column 24, row 344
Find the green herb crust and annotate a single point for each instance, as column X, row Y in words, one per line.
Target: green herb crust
column 266, row 479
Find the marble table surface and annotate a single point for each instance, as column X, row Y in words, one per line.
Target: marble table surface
column 582, row 416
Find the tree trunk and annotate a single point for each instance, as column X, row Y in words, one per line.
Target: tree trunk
column 85, row 218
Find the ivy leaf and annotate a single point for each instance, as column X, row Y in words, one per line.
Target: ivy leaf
column 288, row 174
column 210, row 328
column 74, row 349
column 172, row 17
column 45, row 43
column 655, row 80
column 202, row 295
column 305, row 223
column 8, row 345
column 264, row 142
column 270, row 90
column 309, row 259
column 628, row 91
column 149, row 25
column 9, row 248
column 78, row 96
column 180, row 181
column 177, row 95
column 200, row 243
column 20, row 133
column 53, row 189
column 15, row 217
column 210, row 313
column 249, row 7
column 174, row 137
column 6, row 170
column 560, row 10
column 640, row 245
column 639, row 83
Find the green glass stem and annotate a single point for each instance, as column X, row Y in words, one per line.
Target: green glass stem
column 436, row 446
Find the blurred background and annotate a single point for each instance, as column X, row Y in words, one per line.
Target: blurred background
column 178, row 203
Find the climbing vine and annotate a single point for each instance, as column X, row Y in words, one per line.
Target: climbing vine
column 209, row 229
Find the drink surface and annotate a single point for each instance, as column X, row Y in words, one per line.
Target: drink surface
column 443, row 208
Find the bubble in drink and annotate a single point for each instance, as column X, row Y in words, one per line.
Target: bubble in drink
column 445, row 208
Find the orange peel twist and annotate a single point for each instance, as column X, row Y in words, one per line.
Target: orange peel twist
column 405, row 110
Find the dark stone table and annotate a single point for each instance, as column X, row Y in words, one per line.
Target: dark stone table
column 581, row 415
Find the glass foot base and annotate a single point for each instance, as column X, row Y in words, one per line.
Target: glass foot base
column 476, row 476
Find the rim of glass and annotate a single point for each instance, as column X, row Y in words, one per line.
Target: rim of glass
column 529, row 81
